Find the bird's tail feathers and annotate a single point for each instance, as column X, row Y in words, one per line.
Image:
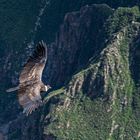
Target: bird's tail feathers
column 12, row 89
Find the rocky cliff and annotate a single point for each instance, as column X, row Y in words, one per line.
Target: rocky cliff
column 94, row 70
column 101, row 99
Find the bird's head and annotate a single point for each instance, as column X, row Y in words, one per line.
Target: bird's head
column 47, row 87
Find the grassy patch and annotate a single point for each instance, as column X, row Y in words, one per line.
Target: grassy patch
column 83, row 119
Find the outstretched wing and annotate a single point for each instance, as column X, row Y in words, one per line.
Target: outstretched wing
column 29, row 98
column 30, row 79
column 34, row 67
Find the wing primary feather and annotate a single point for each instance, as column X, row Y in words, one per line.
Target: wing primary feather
column 42, row 49
column 31, row 109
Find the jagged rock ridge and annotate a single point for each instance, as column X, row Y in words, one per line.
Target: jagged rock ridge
column 76, row 42
column 107, row 79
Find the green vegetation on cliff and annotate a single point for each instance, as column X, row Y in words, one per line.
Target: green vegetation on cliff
column 110, row 115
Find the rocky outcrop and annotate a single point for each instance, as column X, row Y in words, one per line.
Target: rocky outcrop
column 95, row 80
column 107, row 78
column 76, row 43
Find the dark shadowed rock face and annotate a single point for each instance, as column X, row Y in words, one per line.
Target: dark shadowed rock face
column 76, row 43
column 135, row 57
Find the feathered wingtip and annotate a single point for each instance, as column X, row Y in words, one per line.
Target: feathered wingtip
column 31, row 107
column 12, row 89
column 39, row 52
column 42, row 43
column 42, row 47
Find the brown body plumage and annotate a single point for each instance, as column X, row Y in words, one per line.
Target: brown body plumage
column 30, row 83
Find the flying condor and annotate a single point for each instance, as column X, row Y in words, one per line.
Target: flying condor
column 30, row 80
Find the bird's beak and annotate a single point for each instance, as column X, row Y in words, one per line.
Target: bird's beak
column 49, row 87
